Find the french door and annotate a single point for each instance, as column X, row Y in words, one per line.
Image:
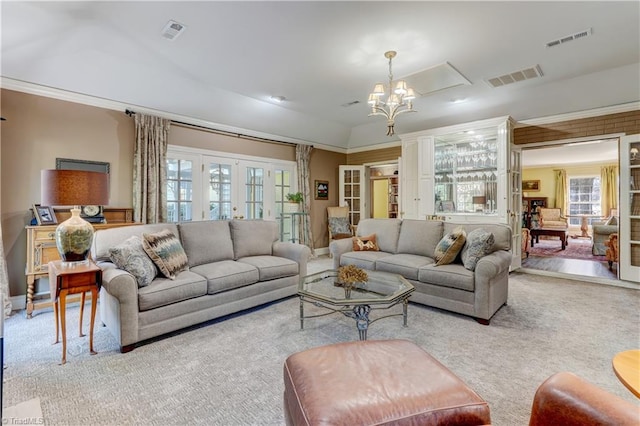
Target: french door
column 217, row 187
column 353, row 192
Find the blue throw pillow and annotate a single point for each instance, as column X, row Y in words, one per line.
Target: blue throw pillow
column 479, row 244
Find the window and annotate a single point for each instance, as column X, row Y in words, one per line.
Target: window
column 584, row 197
column 179, row 190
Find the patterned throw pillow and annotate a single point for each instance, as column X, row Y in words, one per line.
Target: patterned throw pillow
column 131, row 257
column 365, row 243
column 479, row 244
column 449, row 246
column 339, row 225
column 165, row 250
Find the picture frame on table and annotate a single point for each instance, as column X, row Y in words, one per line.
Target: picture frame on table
column 44, row 215
column 530, row 185
column 321, row 190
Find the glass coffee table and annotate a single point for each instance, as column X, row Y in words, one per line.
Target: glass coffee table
column 382, row 291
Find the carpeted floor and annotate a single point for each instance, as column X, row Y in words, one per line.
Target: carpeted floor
column 577, row 248
column 230, row 372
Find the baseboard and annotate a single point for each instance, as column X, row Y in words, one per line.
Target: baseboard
column 321, row 251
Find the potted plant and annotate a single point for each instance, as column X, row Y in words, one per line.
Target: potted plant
column 294, row 199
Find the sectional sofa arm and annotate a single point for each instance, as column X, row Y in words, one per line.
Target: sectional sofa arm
column 494, row 264
column 339, row 247
column 297, row 252
column 119, row 283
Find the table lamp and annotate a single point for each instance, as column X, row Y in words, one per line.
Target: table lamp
column 74, row 188
column 479, row 199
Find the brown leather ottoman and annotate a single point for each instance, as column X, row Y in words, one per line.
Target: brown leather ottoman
column 376, row 382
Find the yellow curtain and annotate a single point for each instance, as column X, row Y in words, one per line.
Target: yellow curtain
column 608, row 189
column 561, row 191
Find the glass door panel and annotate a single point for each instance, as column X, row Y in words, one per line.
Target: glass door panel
column 254, row 192
column 352, row 192
column 220, row 190
column 179, row 190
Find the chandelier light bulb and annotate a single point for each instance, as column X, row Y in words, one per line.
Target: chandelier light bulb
column 398, row 95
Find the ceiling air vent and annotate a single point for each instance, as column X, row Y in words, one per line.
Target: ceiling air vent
column 516, row 76
column 576, row 36
column 348, row 104
column 172, row 30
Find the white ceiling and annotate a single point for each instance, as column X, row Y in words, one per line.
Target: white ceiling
column 321, row 55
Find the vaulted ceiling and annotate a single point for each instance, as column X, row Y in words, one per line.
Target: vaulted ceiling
column 324, row 58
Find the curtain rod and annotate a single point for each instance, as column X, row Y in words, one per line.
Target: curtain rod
column 131, row 113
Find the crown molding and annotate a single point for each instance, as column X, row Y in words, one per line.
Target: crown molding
column 385, row 145
column 613, row 109
column 79, row 98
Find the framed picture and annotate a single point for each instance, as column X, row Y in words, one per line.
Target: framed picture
column 322, row 190
column 530, row 185
column 90, row 166
column 44, row 215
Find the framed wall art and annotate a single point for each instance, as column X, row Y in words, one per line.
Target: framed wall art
column 530, row 185
column 44, row 215
column 321, row 190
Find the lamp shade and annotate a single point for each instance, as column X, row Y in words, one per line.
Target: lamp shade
column 480, row 199
column 73, row 188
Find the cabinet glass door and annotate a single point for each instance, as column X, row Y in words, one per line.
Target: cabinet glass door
column 629, row 238
column 466, row 172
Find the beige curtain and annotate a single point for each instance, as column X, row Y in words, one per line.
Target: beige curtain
column 303, row 156
column 4, row 281
column 561, row 191
column 608, row 189
column 149, row 169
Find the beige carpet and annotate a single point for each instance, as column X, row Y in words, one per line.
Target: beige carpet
column 230, row 372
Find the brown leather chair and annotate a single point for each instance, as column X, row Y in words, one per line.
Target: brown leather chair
column 567, row 400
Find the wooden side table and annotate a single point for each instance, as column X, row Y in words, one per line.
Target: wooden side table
column 626, row 365
column 73, row 278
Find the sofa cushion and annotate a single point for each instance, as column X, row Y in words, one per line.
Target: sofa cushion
column 227, row 275
column 130, row 256
column 272, row 267
column 363, row 259
column 253, row 237
column 449, row 246
column 165, row 250
column 367, row 243
column 206, row 241
column 386, row 230
column 163, row 291
column 419, row 236
column 406, row 265
column 613, row 220
column 453, row 275
column 104, row 239
column 479, row 244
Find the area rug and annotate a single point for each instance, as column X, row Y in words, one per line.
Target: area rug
column 577, row 248
column 230, row 372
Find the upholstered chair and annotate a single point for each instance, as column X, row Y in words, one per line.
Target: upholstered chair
column 601, row 232
column 551, row 218
column 526, row 235
column 338, row 223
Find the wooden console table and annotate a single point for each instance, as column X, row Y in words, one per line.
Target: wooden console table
column 41, row 249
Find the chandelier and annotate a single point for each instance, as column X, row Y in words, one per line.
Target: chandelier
column 399, row 99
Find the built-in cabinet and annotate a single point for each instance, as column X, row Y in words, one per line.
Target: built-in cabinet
column 461, row 171
column 629, row 237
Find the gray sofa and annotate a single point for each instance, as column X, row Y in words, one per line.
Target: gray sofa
column 601, row 232
column 233, row 265
column 407, row 248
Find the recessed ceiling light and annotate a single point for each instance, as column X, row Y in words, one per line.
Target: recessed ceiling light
column 279, row 99
column 458, row 100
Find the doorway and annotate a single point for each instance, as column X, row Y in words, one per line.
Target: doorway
column 582, row 162
column 384, row 180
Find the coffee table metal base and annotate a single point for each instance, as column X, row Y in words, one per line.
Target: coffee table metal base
column 359, row 312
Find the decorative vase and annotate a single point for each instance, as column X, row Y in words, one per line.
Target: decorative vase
column 74, row 237
column 291, row 207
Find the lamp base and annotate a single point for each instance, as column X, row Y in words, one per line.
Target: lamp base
column 74, row 237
